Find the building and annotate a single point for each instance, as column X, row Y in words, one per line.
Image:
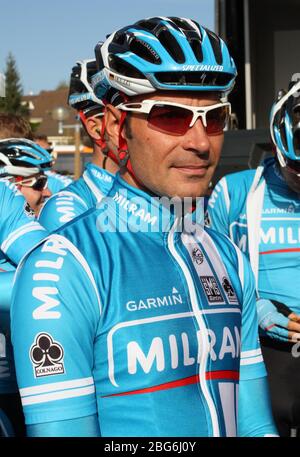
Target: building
column 41, row 107
column 262, row 36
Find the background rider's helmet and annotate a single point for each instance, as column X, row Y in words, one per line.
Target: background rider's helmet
column 285, row 125
column 81, row 95
column 22, row 157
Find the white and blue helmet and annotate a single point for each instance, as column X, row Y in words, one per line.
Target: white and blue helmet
column 163, row 53
column 285, row 124
column 22, row 157
column 81, row 95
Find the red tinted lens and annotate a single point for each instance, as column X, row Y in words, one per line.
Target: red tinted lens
column 216, row 120
column 170, row 119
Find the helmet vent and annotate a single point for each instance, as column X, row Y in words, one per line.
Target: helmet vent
column 194, row 78
column 124, row 68
column 197, row 49
column 144, row 50
column 149, row 25
column 171, row 45
column 215, row 44
column 182, row 24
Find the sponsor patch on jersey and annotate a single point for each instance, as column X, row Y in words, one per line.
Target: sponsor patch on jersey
column 46, row 356
column 229, row 290
column 211, row 289
column 197, row 256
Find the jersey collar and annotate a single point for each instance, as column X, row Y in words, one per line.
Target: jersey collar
column 140, row 211
column 98, row 180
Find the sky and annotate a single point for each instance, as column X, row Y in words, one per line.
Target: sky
column 46, row 37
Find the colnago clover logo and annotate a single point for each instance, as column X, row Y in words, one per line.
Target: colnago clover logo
column 197, row 256
column 46, row 356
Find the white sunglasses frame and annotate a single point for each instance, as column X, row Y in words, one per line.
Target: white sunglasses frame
column 145, row 107
column 35, row 179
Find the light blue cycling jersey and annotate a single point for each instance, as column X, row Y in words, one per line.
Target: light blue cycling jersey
column 8, row 382
column 124, row 316
column 260, row 213
column 18, row 231
column 77, row 198
column 56, row 181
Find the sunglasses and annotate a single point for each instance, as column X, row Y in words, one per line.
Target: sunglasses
column 36, row 182
column 176, row 119
column 292, row 166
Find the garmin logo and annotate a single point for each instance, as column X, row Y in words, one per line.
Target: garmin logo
column 155, row 302
column 2, row 85
column 203, row 68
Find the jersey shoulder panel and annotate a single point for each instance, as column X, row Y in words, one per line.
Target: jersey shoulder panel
column 55, row 292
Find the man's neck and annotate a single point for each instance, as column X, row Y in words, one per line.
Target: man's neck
column 102, row 161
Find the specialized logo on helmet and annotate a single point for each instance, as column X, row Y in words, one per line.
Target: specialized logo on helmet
column 46, row 356
column 197, row 256
column 229, row 290
column 203, row 68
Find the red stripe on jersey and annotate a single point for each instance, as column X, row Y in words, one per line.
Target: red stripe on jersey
column 224, row 374
column 279, row 251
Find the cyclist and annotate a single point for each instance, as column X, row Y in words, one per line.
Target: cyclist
column 259, row 209
column 56, row 181
column 133, row 322
column 23, row 163
column 21, row 166
column 98, row 176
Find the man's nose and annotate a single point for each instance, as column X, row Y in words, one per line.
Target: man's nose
column 196, row 138
column 46, row 193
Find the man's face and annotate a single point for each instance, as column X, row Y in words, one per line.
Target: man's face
column 292, row 179
column 35, row 198
column 170, row 165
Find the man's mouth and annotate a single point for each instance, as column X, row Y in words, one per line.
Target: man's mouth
column 193, row 170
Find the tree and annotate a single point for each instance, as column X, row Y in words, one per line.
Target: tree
column 62, row 85
column 12, row 102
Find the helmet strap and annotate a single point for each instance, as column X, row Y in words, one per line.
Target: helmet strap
column 124, row 159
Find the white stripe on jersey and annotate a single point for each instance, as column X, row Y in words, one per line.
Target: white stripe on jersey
column 223, row 184
column 59, row 395
column 252, row 353
column 83, row 382
column 252, row 360
column 30, row 227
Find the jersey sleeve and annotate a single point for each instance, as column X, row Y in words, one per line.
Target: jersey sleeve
column 18, row 232
column 60, row 209
column 57, row 182
column 217, row 214
column 252, row 364
column 55, row 315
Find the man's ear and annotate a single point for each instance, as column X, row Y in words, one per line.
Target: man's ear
column 93, row 127
column 112, row 118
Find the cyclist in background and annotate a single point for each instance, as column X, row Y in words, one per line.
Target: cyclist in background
column 56, row 181
column 24, row 163
column 21, row 170
column 260, row 209
column 136, row 314
column 98, row 176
